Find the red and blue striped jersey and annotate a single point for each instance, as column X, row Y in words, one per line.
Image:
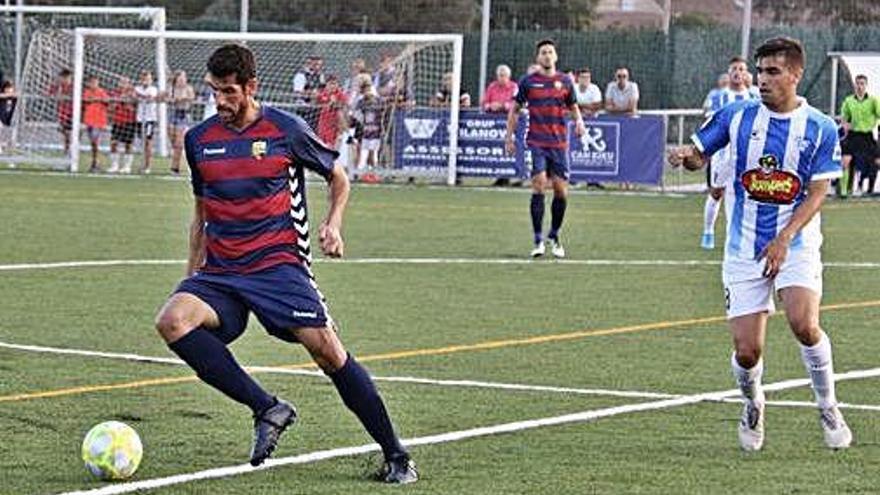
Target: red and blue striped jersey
column 251, row 185
column 549, row 100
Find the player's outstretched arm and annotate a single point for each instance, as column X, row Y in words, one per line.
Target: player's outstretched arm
column 776, row 251
column 330, row 232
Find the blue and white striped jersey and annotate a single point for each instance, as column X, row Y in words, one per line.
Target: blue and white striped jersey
column 720, row 98
column 773, row 159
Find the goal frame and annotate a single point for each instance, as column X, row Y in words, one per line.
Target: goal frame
column 156, row 15
column 80, row 34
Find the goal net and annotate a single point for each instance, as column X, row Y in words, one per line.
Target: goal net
column 38, row 46
column 322, row 77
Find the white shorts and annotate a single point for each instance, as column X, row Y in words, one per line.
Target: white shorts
column 368, row 145
column 745, row 297
column 371, row 144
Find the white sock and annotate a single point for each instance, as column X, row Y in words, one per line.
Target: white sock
column 129, row 159
column 114, row 160
column 749, row 380
column 710, row 214
column 817, row 360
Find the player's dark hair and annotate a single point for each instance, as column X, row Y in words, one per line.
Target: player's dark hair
column 233, row 59
column 790, row 48
column 862, row 77
column 544, row 42
column 64, row 73
column 737, row 59
column 584, row 70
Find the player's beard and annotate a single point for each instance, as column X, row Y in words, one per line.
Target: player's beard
column 229, row 115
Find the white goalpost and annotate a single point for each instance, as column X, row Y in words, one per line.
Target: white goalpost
column 416, row 64
column 867, row 63
column 43, row 41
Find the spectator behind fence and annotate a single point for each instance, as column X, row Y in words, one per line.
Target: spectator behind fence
column 622, row 95
column 351, row 85
column 587, row 94
column 500, row 92
column 442, row 98
column 384, row 80
column 124, row 115
column 309, row 80
column 8, row 100
column 332, row 105
column 62, row 93
column 95, row 102
column 369, row 114
column 179, row 98
column 147, row 115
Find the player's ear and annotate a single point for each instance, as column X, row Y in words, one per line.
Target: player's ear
column 250, row 87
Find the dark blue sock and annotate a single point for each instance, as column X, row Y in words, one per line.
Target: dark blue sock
column 359, row 394
column 537, row 209
column 557, row 213
column 214, row 364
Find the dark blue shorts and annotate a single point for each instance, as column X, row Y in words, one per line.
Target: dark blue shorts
column 283, row 297
column 554, row 161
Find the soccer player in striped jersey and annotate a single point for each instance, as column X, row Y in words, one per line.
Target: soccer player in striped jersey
column 249, row 253
column 783, row 154
column 737, row 90
column 549, row 96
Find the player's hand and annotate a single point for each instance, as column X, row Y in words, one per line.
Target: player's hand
column 774, row 255
column 579, row 128
column 676, row 155
column 330, row 240
column 686, row 156
column 510, row 145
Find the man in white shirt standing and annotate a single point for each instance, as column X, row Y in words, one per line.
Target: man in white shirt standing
column 622, row 95
column 147, row 115
column 587, row 94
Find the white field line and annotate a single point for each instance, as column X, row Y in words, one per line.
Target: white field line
column 415, row 261
column 453, row 436
column 632, row 394
column 304, row 372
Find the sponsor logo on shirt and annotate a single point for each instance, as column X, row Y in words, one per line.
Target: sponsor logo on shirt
column 214, row 151
column 769, row 184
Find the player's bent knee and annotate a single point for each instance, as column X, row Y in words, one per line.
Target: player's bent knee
column 748, row 357
column 171, row 324
column 807, row 332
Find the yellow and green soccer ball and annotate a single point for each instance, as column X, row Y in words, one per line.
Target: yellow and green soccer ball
column 112, row 450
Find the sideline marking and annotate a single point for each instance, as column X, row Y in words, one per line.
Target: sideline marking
column 496, row 344
column 583, row 416
column 419, row 261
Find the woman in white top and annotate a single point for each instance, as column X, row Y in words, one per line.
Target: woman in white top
column 179, row 98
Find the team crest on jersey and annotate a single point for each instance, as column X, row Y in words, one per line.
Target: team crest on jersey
column 258, row 149
column 770, row 184
column 557, row 85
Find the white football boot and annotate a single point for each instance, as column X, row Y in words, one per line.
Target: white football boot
column 751, row 426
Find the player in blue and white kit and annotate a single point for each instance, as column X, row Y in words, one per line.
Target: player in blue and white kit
column 783, row 154
column 737, row 90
